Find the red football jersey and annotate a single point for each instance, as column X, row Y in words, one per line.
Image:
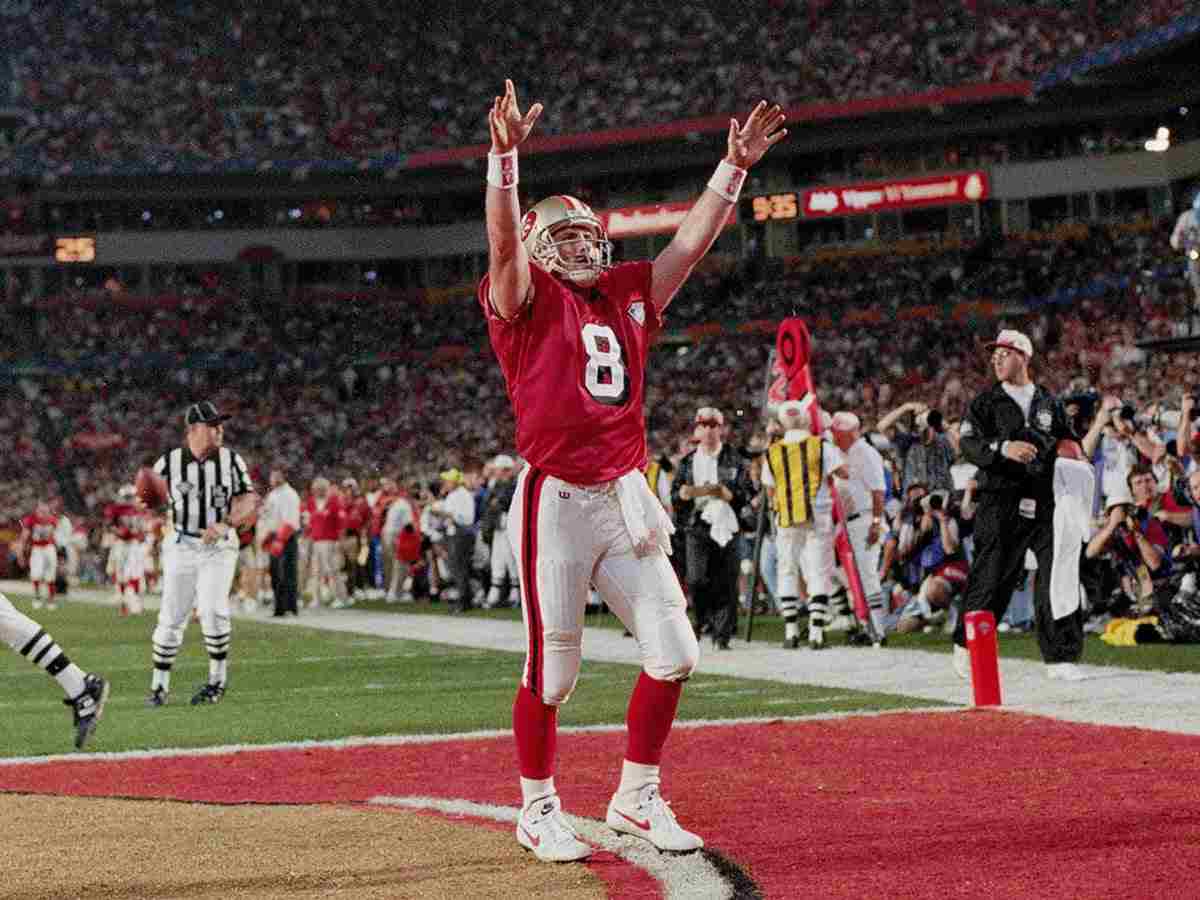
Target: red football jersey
column 41, row 529
column 127, row 521
column 324, row 522
column 574, row 361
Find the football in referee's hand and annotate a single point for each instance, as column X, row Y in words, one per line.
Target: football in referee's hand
column 151, row 488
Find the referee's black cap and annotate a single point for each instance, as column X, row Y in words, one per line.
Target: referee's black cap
column 204, row 413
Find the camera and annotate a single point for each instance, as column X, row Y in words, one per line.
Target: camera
column 933, row 502
column 933, row 419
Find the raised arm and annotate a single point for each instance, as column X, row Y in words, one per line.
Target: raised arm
column 508, row 263
column 745, row 146
column 891, row 418
column 1183, row 433
column 1101, row 419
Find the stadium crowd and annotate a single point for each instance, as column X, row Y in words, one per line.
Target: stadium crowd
column 333, row 387
column 191, row 82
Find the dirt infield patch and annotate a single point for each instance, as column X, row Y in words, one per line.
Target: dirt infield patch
column 916, row 805
column 135, row 849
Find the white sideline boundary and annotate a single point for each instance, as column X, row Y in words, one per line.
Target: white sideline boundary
column 1110, row 696
column 395, row 740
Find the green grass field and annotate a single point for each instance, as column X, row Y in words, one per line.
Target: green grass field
column 290, row 684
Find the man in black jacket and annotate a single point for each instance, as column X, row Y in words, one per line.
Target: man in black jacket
column 1011, row 432
column 710, row 488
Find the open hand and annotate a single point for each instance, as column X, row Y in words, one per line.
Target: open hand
column 762, row 130
column 508, row 127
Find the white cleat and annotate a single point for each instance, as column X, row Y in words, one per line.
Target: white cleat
column 650, row 817
column 544, row 830
column 962, row 662
column 1065, row 672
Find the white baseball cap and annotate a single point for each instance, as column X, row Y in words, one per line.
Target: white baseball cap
column 797, row 414
column 845, row 421
column 1013, row 340
column 503, row 461
column 790, row 411
column 1119, row 497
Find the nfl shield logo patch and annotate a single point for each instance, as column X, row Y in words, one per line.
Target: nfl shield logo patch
column 637, row 312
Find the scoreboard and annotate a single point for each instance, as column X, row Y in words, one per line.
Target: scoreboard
column 824, row 201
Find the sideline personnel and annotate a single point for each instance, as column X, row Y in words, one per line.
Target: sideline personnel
column 1011, row 432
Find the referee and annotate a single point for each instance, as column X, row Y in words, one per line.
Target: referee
column 1012, row 432
column 211, row 496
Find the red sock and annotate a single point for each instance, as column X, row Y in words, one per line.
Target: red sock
column 535, row 726
column 651, row 713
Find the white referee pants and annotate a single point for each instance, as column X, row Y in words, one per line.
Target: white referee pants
column 806, row 549
column 200, row 575
column 866, row 559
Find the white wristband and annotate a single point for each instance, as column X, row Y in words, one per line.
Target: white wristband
column 727, row 181
column 502, row 170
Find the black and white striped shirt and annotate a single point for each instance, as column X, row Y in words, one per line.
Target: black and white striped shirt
column 201, row 492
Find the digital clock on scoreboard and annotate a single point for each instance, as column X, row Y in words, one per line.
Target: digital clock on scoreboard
column 75, row 249
column 775, row 207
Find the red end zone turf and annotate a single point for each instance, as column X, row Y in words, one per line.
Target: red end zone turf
column 980, row 804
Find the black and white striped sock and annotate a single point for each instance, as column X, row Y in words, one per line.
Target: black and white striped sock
column 164, row 659
column 818, row 610
column 790, row 610
column 218, row 652
column 44, row 652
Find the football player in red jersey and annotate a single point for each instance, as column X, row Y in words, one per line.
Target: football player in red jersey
column 123, row 521
column 571, row 332
column 37, row 536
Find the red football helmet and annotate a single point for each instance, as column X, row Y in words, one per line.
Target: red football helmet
column 580, row 259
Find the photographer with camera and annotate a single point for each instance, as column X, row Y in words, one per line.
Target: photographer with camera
column 931, row 543
column 1011, row 432
column 926, row 454
column 1133, row 540
column 1122, row 444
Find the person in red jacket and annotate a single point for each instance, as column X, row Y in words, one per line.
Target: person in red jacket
column 324, row 517
column 355, row 515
